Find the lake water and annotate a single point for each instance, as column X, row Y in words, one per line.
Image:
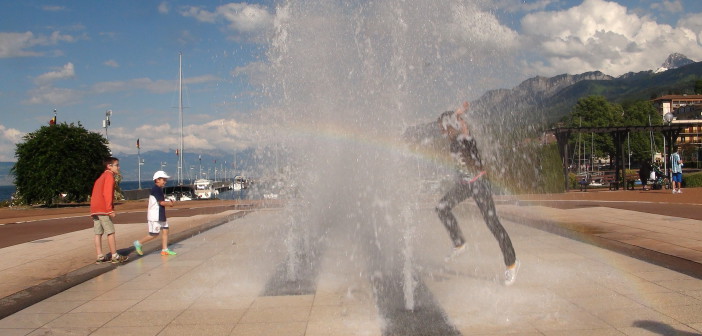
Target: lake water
column 7, row 191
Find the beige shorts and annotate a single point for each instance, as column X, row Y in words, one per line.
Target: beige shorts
column 103, row 224
column 155, row 227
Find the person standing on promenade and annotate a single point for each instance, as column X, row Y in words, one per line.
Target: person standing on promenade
column 676, row 168
column 645, row 173
column 156, row 215
column 472, row 181
column 102, row 210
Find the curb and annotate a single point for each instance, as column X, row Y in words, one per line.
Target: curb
column 37, row 293
column 668, row 261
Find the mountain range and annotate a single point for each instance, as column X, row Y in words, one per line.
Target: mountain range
column 549, row 99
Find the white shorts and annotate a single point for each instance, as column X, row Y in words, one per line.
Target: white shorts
column 155, row 226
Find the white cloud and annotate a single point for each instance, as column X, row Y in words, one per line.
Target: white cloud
column 156, row 86
column 255, row 72
column 46, row 93
column 17, row 44
column 673, row 6
column 483, row 27
column 693, row 22
column 67, row 71
column 602, row 35
column 112, row 63
column 9, row 137
column 249, row 20
column 517, row 5
column 53, row 8
column 53, row 96
column 163, row 8
column 222, row 134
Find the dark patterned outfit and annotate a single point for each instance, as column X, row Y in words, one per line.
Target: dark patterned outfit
column 472, row 181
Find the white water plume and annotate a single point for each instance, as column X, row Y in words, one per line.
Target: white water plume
column 346, row 79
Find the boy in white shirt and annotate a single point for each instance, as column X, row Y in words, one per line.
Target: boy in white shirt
column 156, row 215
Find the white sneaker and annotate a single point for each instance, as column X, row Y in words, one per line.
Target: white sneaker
column 674, row 191
column 511, row 273
column 679, row 191
column 457, row 251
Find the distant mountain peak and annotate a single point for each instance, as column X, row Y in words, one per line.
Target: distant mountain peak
column 674, row 61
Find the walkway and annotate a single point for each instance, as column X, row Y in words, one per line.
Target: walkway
column 240, row 278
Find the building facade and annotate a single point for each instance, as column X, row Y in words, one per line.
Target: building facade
column 687, row 109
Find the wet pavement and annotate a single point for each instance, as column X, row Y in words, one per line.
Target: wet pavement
column 228, row 280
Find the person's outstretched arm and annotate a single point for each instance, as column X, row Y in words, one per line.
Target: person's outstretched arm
column 459, row 116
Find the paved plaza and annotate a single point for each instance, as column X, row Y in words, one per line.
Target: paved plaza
column 246, row 278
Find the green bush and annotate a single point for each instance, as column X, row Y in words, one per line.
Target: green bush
column 573, row 181
column 693, row 180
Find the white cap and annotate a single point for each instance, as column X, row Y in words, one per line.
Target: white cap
column 160, row 174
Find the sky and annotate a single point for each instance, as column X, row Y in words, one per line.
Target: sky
column 85, row 57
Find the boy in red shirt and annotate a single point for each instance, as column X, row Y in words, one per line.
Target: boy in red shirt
column 102, row 210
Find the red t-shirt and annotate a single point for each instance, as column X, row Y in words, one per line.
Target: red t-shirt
column 101, row 200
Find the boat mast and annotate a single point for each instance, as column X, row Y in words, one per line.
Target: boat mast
column 180, row 112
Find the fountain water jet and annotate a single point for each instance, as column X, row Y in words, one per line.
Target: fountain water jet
column 346, row 79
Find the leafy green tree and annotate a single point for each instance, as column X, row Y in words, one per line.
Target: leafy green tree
column 58, row 159
column 595, row 111
column 642, row 145
column 698, row 87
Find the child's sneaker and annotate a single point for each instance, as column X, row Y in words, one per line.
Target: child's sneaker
column 511, row 273
column 100, row 259
column 167, row 252
column 137, row 246
column 116, row 259
column 457, row 251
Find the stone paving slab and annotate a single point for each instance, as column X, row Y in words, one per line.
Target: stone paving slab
column 215, row 286
column 669, row 241
column 35, row 270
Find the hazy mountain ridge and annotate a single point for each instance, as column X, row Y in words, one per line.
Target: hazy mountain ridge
column 548, row 99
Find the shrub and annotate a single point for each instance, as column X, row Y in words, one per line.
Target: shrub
column 693, row 180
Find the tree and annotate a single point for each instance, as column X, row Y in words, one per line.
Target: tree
column 58, row 159
column 596, row 111
column 642, row 145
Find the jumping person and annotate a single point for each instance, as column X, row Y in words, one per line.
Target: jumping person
column 156, row 215
column 472, row 181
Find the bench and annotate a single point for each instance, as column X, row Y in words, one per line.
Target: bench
column 611, row 181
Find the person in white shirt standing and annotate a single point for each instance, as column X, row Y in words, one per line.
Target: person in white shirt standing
column 676, row 168
column 156, row 215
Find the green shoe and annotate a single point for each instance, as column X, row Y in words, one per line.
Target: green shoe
column 167, row 252
column 137, row 246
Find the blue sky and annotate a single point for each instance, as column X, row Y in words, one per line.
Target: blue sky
column 85, row 57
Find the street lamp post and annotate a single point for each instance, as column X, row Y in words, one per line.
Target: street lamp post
column 667, row 143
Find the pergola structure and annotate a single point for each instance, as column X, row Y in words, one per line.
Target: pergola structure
column 670, row 132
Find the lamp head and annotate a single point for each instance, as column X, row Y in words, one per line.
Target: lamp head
column 668, row 117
